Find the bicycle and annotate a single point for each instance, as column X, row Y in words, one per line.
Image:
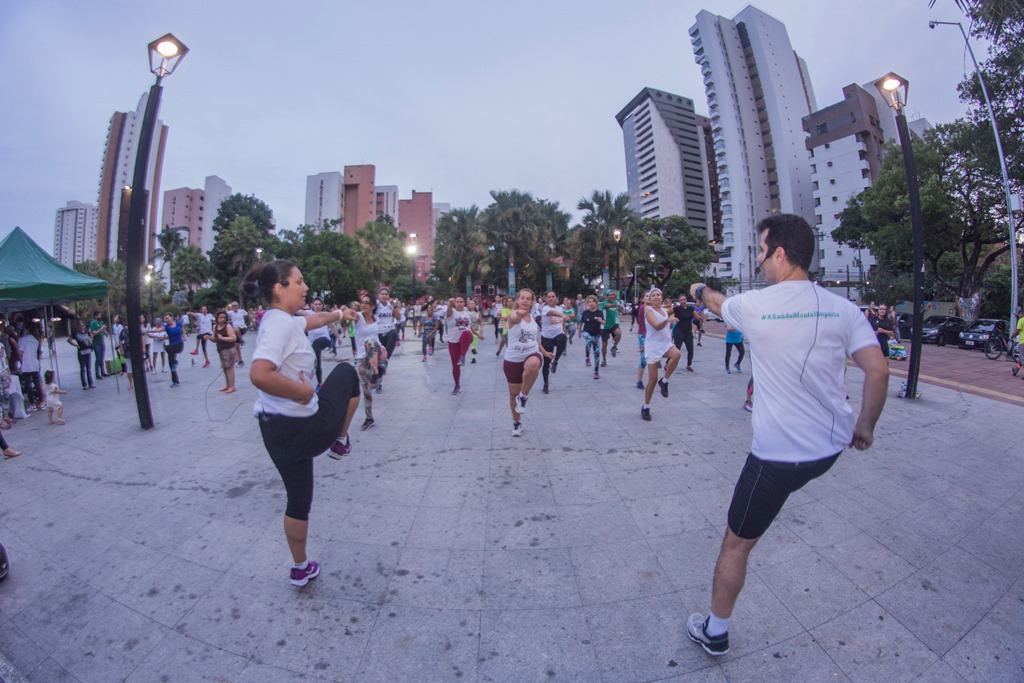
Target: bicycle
column 999, row 344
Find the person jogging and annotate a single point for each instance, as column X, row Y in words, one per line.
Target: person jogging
column 523, row 357
column 552, row 335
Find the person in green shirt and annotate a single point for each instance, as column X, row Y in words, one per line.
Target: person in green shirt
column 610, row 309
column 98, row 330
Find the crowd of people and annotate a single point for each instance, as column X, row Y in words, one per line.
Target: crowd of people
column 801, row 336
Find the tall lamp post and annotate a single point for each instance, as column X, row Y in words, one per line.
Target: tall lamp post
column 410, row 249
column 652, row 256
column 1002, row 167
column 893, row 89
column 617, row 234
column 165, row 54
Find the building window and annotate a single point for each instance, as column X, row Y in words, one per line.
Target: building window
column 821, row 253
column 830, row 164
column 839, row 252
column 822, row 129
column 828, row 146
column 832, row 181
column 835, row 199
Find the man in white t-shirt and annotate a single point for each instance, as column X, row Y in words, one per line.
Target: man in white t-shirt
column 801, row 336
column 204, row 323
column 237, row 316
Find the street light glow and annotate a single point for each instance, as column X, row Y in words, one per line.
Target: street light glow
column 167, row 49
column 891, row 84
column 410, row 249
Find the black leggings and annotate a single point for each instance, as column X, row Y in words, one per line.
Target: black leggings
column 683, row 334
column 85, row 369
column 293, row 442
column 32, row 386
column 319, row 344
column 556, row 345
column 172, row 358
column 740, row 352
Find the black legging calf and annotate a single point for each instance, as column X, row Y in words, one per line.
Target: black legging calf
column 740, row 352
column 683, row 334
column 319, row 344
column 554, row 345
column 172, row 359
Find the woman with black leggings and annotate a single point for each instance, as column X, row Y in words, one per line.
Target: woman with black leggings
column 82, row 340
column 297, row 422
column 733, row 337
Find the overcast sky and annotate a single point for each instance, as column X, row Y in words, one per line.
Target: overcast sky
column 455, row 97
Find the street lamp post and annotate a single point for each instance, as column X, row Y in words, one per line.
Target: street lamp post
column 894, row 90
column 165, row 53
column 617, row 234
column 652, row 256
column 1002, row 167
column 410, row 249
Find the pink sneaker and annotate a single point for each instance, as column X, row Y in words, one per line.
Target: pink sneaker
column 300, row 577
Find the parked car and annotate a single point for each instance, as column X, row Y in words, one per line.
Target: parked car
column 905, row 324
column 942, row 329
column 979, row 332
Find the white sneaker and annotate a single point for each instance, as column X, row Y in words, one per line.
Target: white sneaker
column 517, row 429
column 521, row 404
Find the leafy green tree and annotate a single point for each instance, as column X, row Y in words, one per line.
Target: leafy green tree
column 604, row 213
column 681, row 251
column 190, row 269
column 512, row 226
column 962, row 205
column 115, row 272
column 383, row 254
column 234, row 252
column 459, row 249
column 170, row 242
column 331, row 262
column 244, row 205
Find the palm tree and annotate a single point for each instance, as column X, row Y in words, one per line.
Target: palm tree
column 237, row 243
column 170, row 242
column 512, row 219
column 554, row 225
column 604, row 213
column 190, row 269
column 382, row 250
column 459, row 248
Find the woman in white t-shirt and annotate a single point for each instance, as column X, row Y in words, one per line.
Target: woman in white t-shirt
column 319, row 339
column 460, row 328
column 523, row 356
column 658, row 349
column 369, row 354
column 297, row 422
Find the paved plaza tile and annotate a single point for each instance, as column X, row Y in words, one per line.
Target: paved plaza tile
column 452, row 551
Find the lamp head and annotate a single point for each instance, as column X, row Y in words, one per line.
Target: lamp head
column 617, row 234
column 931, row 24
column 410, row 249
column 165, row 53
column 893, row 88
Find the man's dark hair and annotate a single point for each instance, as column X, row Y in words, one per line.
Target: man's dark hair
column 793, row 234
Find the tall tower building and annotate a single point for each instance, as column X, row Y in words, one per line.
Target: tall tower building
column 418, row 216
column 758, row 91
column 666, row 159
column 117, row 174
column 325, row 198
column 74, row 234
column 215, row 191
column 183, row 212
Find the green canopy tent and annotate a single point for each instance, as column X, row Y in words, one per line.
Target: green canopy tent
column 31, row 278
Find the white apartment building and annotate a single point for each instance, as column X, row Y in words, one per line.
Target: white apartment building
column 74, row 234
column 666, row 159
column 758, row 91
column 387, row 202
column 325, row 198
column 215, row 191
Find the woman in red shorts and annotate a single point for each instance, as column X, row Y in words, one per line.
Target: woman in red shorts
column 523, row 356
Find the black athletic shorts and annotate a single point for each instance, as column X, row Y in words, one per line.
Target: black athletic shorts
column 763, row 488
column 607, row 333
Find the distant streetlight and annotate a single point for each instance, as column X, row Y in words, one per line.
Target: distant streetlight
column 259, row 253
column 652, row 256
column 617, row 234
column 893, row 89
column 165, row 54
column 1002, row 167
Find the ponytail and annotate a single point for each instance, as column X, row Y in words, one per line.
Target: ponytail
column 259, row 282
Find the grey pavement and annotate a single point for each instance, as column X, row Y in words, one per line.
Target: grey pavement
column 451, row 551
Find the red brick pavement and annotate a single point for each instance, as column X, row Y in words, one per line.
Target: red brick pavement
column 963, row 370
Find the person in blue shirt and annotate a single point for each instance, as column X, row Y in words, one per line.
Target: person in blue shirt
column 175, row 344
column 734, row 337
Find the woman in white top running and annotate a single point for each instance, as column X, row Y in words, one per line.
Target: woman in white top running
column 460, row 328
column 523, row 356
column 297, row 422
column 658, row 348
column 369, row 354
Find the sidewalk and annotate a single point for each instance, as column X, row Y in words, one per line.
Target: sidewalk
column 451, row 551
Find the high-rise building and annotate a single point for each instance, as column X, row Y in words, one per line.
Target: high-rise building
column 666, row 160
column 116, row 176
column 215, row 191
column 387, row 202
column 183, row 212
column 758, row 91
column 350, row 197
column 74, row 234
column 417, row 216
column 325, row 198
column 846, row 143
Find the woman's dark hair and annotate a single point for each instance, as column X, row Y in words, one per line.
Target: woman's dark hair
column 793, row 234
column 259, row 282
column 220, row 313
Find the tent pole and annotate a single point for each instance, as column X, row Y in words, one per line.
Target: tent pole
column 113, row 350
column 52, row 350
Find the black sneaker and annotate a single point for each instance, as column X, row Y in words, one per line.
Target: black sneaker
column 367, row 423
column 645, row 413
column 554, row 366
column 664, row 387
column 546, row 389
column 696, row 628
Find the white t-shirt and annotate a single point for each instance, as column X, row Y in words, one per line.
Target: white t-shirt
column 205, row 321
column 282, row 341
column 385, row 315
column 237, row 318
column 801, row 336
column 314, row 333
column 185, row 320
column 457, row 323
column 365, row 331
column 551, row 326
column 523, row 340
column 29, row 348
column 656, row 342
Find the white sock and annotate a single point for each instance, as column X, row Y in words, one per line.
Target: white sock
column 342, row 439
column 646, row 406
column 716, row 625
column 522, row 395
column 302, row 566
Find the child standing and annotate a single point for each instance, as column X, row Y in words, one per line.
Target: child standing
column 53, row 393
